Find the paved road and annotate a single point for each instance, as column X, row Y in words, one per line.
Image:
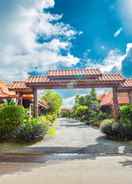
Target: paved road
column 77, row 155
column 76, row 137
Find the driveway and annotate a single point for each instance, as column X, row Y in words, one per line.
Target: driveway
column 73, row 137
column 76, row 137
column 78, row 154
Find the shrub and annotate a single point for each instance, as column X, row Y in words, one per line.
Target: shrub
column 121, row 130
column 103, row 116
column 118, row 131
column 126, row 115
column 11, row 117
column 81, row 112
column 96, row 117
column 106, row 127
column 66, row 113
column 31, row 131
column 15, row 124
column 128, row 133
column 48, row 119
column 51, row 117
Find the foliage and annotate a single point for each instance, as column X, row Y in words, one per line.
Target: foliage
column 10, row 102
column 16, row 125
column 126, row 115
column 89, row 100
column 118, row 131
column 87, row 109
column 81, row 112
column 31, row 131
column 106, row 126
column 121, row 130
column 68, row 113
column 2, row 105
column 48, row 119
column 54, row 101
column 11, row 117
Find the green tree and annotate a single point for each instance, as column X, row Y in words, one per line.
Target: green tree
column 77, row 100
column 87, row 100
column 81, row 112
column 87, row 107
column 93, row 94
column 54, row 101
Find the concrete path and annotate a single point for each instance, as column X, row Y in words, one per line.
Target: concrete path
column 77, row 155
column 76, row 137
column 102, row 170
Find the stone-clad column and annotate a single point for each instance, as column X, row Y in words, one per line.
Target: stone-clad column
column 19, row 98
column 35, row 103
column 130, row 97
column 115, row 102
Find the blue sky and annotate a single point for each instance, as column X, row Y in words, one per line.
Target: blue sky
column 51, row 34
column 105, row 27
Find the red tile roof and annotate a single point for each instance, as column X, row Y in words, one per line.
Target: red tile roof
column 107, row 99
column 111, row 77
column 127, row 83
column 37, row 79
column 65, row 73
column 102, row 78
column 17, row 85
column 2, row 84
column 4, row 92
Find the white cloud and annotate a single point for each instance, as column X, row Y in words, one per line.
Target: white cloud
column 16, row 66
column 56, row 45
column 118, row 32
column 114, row 60
column 125, row 12
column 45, row 4
column 129, row 47
column 19, row 50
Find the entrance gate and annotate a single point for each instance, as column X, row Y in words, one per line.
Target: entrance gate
column 76, row 78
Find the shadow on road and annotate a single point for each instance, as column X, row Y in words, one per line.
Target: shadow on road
column 41, row 156
column 126, row 163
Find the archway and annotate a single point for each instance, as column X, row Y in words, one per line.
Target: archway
column 76, row 78
column 79, row 78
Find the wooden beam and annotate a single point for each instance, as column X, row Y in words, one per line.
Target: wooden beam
column 75, row 85
column 130, row 97
column 35, row 103
column 115, row 102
